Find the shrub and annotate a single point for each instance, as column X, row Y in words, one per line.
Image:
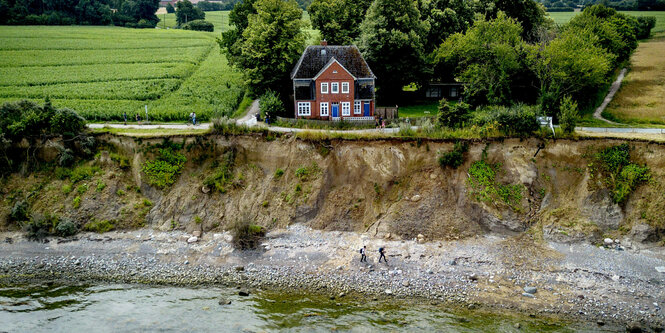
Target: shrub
column 62, row 173
column 199, row 25
column 123, row 161
column 278, row 173
column 66, row 157
column 621, row 176
column 303, row 173
column 83, row 172
column 166, row 167
column 223, row 175
column 66, row 227
column 406, row 130
column 66, row 188
column 245, row 234
column 452, row 116
column 82, row 188
column 568, row 115
column 100, row 186
column 454, row 158
column 99, row 226
column 77, row 201
column 271, row 103
column 20, row 211
column 518, row 120
column 482, row 180
column 67, row 121
column 40, row 226
column 644, row 26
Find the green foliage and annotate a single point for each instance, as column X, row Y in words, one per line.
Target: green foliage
column 222, row 178
column 305, row 173
column 197, row 219
column 123, row 161
column 271, row 104
column 120, row 193
column 645, row 24
column 165, row 168
column 62, row 173
column 338, row 20
column 83, row 172
column 66, row 188
column 392, row 42
column 81, row 189
column 186, row 12
column 100, row 186
column 199, row 25
column 452, row 116
column 99, row 226
column 482, row 180
column 76, row 202
column 66, row 228
column 40, row 226
column 20, row 211
column 405, row 130
column 169, row 8
column 618, row 173
column 278, row 173
column 568, row 115
column 454, row 158
column 245, row 234
column 445, row 17
column 518, row 120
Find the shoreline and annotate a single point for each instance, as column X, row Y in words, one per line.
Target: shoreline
column 574, row 282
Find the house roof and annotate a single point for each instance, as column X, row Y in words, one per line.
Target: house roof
column 313, row 61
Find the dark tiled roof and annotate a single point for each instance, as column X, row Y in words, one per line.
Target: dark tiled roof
column 313, row 61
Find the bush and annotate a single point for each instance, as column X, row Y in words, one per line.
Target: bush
column 406, row 130
column 145, row 24
column 246, row 235
column 164, row 170
column 270, row 103
column 644, row 26
column 99, row 226
column 223, row 176
column 199, row 25
column 77, row 201
column 123, row 161
column 83, row 172
column 278, row 173
column 67, row 121
column 619, row 174
column 568, row 115
column 66, row 228
column 39, row 226
column 20, row 211
column 518, row 120
column 452, row 116
column 454, row 158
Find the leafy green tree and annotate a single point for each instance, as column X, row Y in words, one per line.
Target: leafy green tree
column 452, row 116
column 272, row 44
column 488, row 58
column 141, row 10
column 231, row 41
column 186, row 12
column 392, row 41
column 529, row 13
column 568, row 115
column 271, row 104
column 338, row 20
column 169, row 8
column 445, row 17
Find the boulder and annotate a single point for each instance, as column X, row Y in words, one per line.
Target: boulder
column 196, row 233
column 192, row 239
column 416, row 198
column 243, row 293
column 643, row 233
column 240, row 268
column 608, row 241
column 388, row 292
column 224, row 301
column 530, row 290
column 421, row 238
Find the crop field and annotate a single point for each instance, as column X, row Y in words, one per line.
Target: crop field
column 641, row 98
column 564, row 17
column 219, row 19
column 104, row 71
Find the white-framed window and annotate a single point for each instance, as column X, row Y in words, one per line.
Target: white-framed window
column 304, row 109
column 345, row 87
column 356, row 107
column 334, row 87
column 324, row 109
column 346, row 109
column 324, row 87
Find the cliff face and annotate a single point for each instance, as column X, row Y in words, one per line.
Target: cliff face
column 382, row 187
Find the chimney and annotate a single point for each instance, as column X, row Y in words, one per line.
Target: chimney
column 324, row 43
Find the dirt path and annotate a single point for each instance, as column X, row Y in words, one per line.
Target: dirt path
column 610, row 94
column 249, row 118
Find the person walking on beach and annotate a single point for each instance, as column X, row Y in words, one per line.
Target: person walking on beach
column 363, row 252
column 382, row 254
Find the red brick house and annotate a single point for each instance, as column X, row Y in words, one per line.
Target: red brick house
column 333, row 83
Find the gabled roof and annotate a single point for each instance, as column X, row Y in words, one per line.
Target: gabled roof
column 332, row 61
column 313, row 61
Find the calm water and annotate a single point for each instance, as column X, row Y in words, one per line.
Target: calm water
column 122, row 308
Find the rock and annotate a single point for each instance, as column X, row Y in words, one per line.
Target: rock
column 192, row 239
column 429, row 271
column 416, row 198
column 530, row 290
column 196, row 234
column 243, row 293
column 205, row 189
column 643, row 233
column 421, row 238
column 608, row 241
column 473, row 277
column 224, row 301
column 528, row 295
column 240, row 268
column 601, row 210
column 388, row 292
column 452, row 262
column 342, row 295
column 406, row 283
column 387, row 236
column 634, row 327
column 432, row 176
column 660, row 269
column 600, row 323
column 517, row 325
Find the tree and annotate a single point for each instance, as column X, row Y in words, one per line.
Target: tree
column 186, row 12
column 231, row 41
column 199, row 25
column 169, row 8
column 529, row 13
column 452, row 116
column 141, row 10
column 338, row 20
column 391, row 39
column 568, row 115
column 445, row 17
column 272, row 43
column 488, row 58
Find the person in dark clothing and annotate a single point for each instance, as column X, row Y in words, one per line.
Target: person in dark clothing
column 124, row 116
column 363, row 256
column 382, row 254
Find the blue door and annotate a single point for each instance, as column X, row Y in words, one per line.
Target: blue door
column 335, row 109
column 366, row 107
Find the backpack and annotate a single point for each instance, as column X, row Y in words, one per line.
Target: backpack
column 361, row 251
column 380, row 250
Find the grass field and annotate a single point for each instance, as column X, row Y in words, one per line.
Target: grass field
column 564, row 17
column 641, row 98
column 219, row 19
column 105, row 71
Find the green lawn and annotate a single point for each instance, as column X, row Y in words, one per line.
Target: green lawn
column 564, row 17
column 424, row 109
column 219, row 18
column 104, row 71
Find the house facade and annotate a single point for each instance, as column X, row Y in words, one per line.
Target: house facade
column 333, row 83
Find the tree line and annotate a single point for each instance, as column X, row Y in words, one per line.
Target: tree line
column 129, row 13
column 570, row 5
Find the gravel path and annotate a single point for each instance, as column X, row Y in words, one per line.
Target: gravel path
column 610, row 94
column 573, row 281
